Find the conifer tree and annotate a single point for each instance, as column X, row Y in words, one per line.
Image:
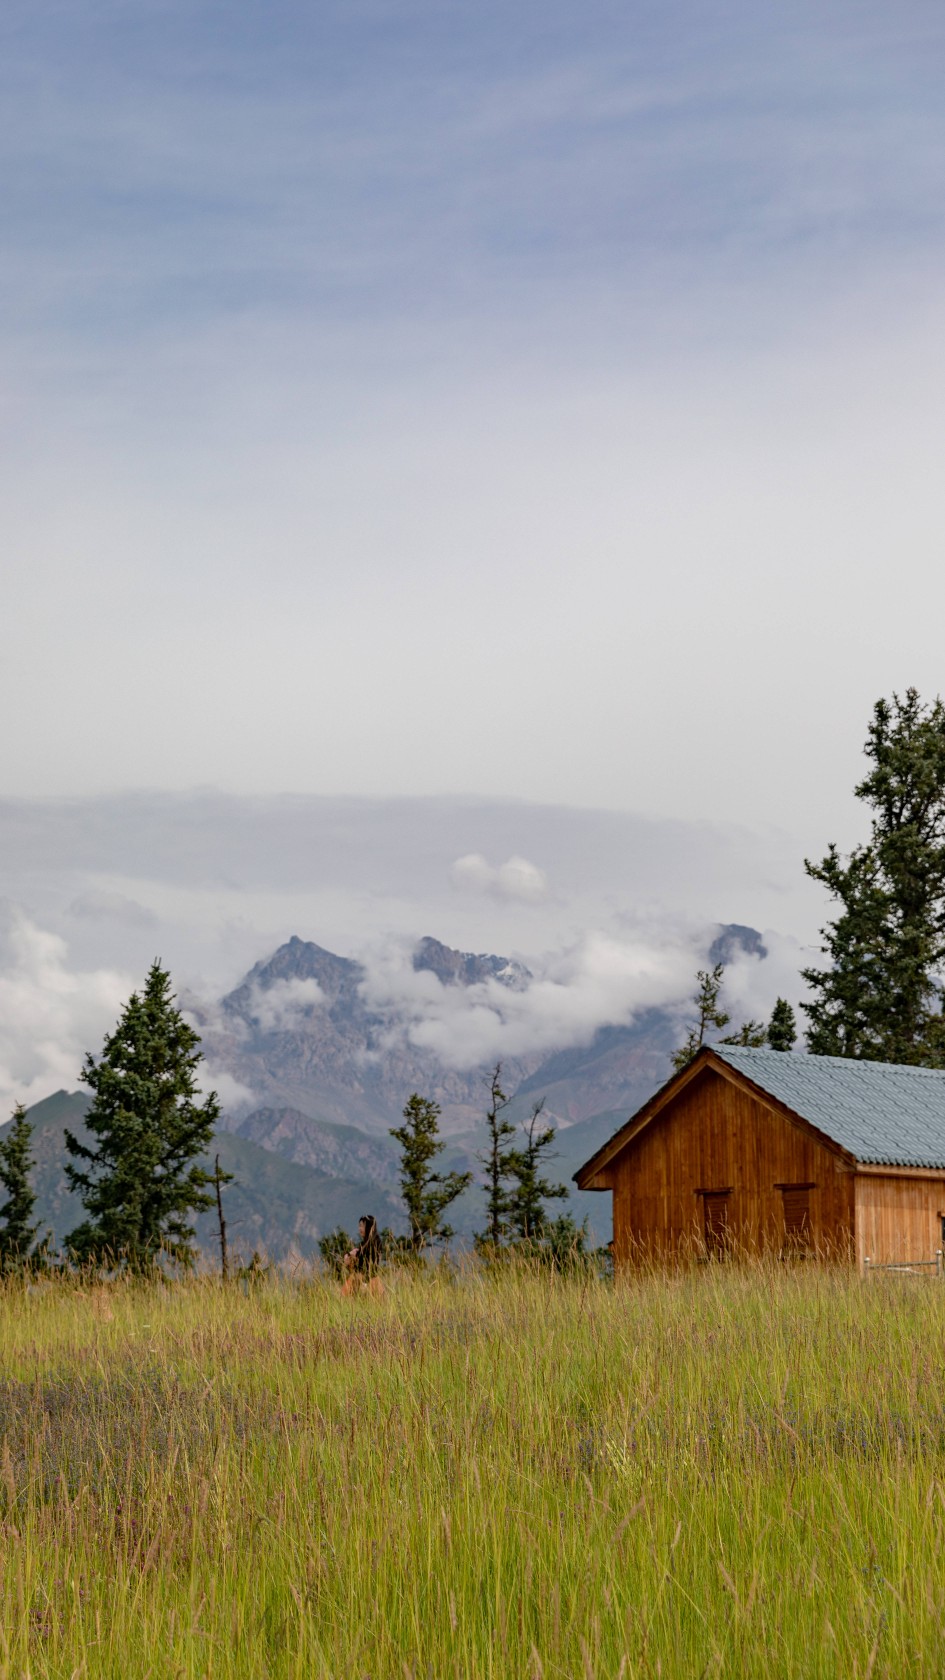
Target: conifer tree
column 709, row 1014
column 498, row 1158
column 140, row 1181
column 751, row 1035
column 527, row 1216
column 426, row 1194
column 880, row 996
column 782, row 1027
column 17, row 1234
column 711, row 1017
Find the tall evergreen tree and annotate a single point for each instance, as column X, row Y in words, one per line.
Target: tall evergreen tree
column 527, row 1215
column 17, row 1233
column 140, row 1182
column 880, row 996
column 498, row 1159
column 426, row 1194
column 782, row 1027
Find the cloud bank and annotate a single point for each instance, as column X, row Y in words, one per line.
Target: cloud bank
column 50, row 1013
column 602, row 980
column 615, row 921
column 284, row 1005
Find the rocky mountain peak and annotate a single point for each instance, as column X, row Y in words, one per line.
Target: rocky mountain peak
column 298, row 959
column 467, row 968
column 734, row 937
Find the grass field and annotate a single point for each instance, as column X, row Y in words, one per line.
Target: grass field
column 732, row 1472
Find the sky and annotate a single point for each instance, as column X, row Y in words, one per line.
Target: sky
column 440, row 410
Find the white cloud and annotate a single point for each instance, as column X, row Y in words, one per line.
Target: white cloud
column 516, row 879
column 600, row 981
column 233, row 1094
column 603, row 979
column 50, row 1014
column 282, row 1006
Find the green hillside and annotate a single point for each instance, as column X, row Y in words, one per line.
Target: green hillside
column 281, row 1206
column 274, row 1205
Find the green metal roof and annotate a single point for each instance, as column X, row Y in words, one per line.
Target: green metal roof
column 883, row 1113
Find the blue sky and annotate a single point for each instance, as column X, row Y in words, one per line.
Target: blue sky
column 513, row 432
column 167, row 167
column 426, row 399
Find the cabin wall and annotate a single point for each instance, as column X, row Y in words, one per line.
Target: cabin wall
column 714, row 1136
column 898, row 1218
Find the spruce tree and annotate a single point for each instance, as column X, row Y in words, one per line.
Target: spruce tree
column 498, row 1159
column 140, row 1181
column 426, row 1194
column 527, row 1217
column 17, row 1234
column 880, row 996
column 782, row 1027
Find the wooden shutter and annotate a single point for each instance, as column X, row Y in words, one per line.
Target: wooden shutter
column 715, row 1205
column 796, row 1198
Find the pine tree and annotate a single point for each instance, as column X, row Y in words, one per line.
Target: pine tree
column 709, row 1014
column 751, row 1035
column 880, row 997
column 499, row 1161
column 140, row 1182
column 17, row 1234
column 527, row 1217
column 426, row 1194
column 782, row 1027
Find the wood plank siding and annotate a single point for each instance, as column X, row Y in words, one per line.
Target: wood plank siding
column 898, row 1218
column 718, row 1168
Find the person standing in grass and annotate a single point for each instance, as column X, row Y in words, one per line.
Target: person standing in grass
column 362, row 1262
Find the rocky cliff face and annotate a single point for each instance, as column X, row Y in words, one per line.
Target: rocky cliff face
column 462, row 968
column 299, row 1033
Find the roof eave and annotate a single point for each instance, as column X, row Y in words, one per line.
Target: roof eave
column 636, row 1123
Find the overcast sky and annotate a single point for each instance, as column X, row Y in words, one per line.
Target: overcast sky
column 529, row 402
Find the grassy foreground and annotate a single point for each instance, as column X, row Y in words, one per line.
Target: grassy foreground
column 734, row 1472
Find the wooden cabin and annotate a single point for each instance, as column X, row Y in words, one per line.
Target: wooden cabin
column 753, row 1151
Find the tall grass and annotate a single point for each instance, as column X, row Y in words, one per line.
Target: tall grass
column 736, row 1472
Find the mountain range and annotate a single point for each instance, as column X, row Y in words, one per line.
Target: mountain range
column 325, row 1076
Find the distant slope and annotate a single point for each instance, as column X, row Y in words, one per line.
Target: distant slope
column 619, row 1069
column 339, row 1151
column 275, row 1205
column 282, row 1206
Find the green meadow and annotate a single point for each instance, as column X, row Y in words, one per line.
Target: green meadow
column 729, row 1471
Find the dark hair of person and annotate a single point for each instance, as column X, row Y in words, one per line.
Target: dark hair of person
column 369, row 1247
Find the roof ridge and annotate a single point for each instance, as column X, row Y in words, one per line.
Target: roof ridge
column 834, row 1061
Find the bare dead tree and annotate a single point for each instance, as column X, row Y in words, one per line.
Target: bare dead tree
column 218, row 1180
